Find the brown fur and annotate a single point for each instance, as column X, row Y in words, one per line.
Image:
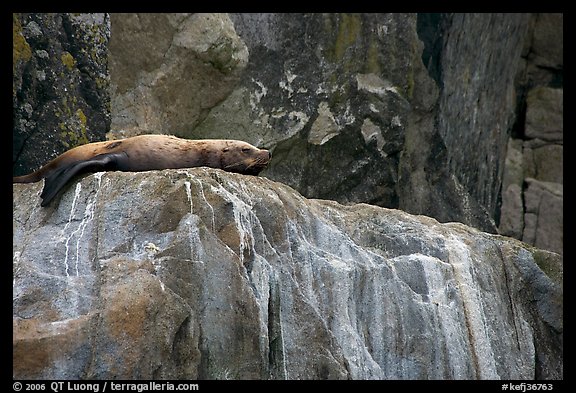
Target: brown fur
column 148, row 152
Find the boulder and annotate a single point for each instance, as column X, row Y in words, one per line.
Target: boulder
column 544, row 215
column 543, row 161
column 168, row 70
column 548, row 40
column 512, row 212
column 545, row 114
column 204, row 274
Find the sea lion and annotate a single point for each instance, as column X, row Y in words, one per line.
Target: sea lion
column 144, row 153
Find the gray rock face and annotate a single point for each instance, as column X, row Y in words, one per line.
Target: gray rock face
column 545, row 114
column 543, row 161
column 532, row 200
column 452, row 164
column 330, row 94
column 167, row 70
column 547, row 45
column 396, row 110
column 535, row 174
column 477, row 100
column 544, row 204
column 532, row 185
column 60, row 85
column 205, row 274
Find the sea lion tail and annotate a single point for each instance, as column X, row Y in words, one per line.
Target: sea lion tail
column 30, row 178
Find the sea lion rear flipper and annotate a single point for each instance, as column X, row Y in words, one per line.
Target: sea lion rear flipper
column 55, row 181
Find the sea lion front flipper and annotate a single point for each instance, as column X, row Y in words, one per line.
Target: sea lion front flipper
column 58, row 179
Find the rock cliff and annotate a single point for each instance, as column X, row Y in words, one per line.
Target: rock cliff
column 60, row 86
column 410, row 111
column 205, row 274
column 455, row 116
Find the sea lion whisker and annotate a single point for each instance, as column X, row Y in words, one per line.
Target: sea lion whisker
column 258, row 162
column 233, row 165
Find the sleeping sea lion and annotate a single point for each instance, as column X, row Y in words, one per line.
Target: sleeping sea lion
column 144, row 153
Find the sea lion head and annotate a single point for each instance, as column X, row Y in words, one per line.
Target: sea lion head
column 242, row 157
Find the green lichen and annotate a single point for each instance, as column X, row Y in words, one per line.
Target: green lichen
column 75, row 131
column 68, row 61
column 83, row 138
column 101, row 83
column 73, row 128
column 348, row 30
column 64, row 135
column 549, row 263
column 67, row 111
column 82, row 117
column 411, row 71
column 372, row 65
column 21, row 51
column 221, row 56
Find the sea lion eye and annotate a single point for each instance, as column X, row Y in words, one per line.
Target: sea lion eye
column 245, row 149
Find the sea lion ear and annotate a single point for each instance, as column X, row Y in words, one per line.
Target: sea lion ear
column 225, row 149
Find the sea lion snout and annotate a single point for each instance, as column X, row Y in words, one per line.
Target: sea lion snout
column 266, row 154
column 262, row 159
column 258, row 162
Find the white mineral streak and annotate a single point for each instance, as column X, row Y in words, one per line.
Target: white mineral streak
column 446, row 313
column 262, row 275
column 15, row 266
column 72, row 209
column 191, row 222
column 473, row 308
column 296, row 122
column 189, row 195
column 257, row 95
column 87, row 217
column 201, row 188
